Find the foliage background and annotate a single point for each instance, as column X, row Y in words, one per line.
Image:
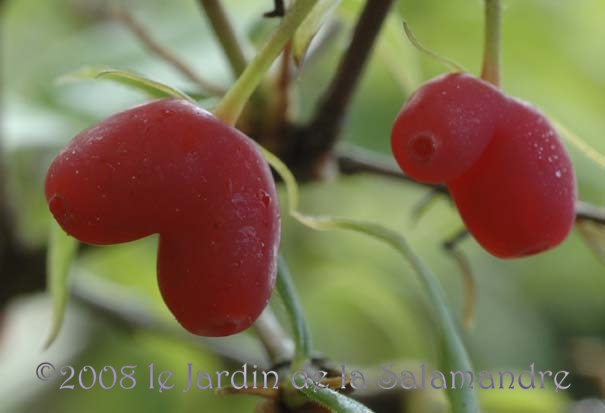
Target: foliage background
column 363, row 303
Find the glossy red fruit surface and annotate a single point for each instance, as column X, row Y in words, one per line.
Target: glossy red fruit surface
column 171, row 168
column 503, row 162
column 445, row 126
column 519, row 198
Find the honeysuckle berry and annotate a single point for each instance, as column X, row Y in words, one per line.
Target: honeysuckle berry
column 171, row 168
column 501, row 159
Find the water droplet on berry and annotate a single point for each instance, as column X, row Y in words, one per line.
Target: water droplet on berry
column 264, row 196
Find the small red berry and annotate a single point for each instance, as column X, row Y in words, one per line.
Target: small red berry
column 171, row 168
column 445, row 126
column 503, row 162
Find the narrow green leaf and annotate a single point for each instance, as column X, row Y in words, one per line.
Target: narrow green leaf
column 310, row 26
column 463, row 400
column 60, row 254
column 449, row 63
column 331, row 399
column 150, row 87
column 400, row 58
column 591, row 153
column 287, row 292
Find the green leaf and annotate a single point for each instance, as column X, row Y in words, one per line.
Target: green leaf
column 335, row 401
column 310, row 26
column 60, row 254
column 399, row 57
column 150, row 87
column 287, row 292
column 463, row 400
column 584, row 147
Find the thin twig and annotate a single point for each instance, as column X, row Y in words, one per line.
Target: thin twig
column 325, row 125
column 352, row 160
column 225, row 34
column 143, row 35
column 452, row 242
column 276, row 342
column 451, row 246
column 589, row 212
column 279, row 9
column 425, row 203
column 283, row 86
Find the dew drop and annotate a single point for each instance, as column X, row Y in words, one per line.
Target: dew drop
column 265, row 198
column 558, row 174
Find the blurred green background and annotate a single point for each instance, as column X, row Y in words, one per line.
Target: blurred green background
column 363, row 302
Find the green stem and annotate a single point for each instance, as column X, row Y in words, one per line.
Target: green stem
column 226, row 35
column 300, row 330
column 230, row 107
column 464, row 399
column 492, row 54
column 335, row 401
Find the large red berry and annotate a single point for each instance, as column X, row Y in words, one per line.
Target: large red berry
column 171, row 168
column 502, row 160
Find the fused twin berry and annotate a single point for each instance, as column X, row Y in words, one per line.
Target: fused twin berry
column 170, row 168
column 501, row 159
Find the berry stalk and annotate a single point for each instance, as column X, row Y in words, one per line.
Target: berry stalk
column 492, row 54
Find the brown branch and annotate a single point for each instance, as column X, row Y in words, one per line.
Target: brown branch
column 143, row 35
column 279, row 9
column 333, row 106
column 225, row 34
column 353, row 160
column 307, row 148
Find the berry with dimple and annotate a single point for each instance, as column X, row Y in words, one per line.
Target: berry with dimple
column 501, row 159
column 171, row 168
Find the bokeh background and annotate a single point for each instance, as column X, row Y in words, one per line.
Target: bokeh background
column 363, row 302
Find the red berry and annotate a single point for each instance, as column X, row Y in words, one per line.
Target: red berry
column 502, row 160
column 171, row 168
column 445, row 126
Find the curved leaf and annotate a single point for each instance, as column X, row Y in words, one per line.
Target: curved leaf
column 287, row 292
column 463, row 400
column 335, row 401
column 60, row 254
column 150, row 87
column 310, row 27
